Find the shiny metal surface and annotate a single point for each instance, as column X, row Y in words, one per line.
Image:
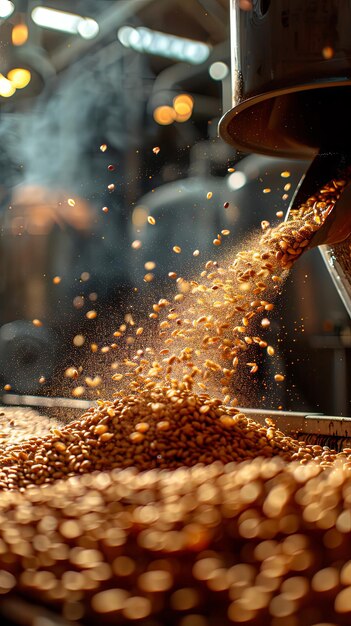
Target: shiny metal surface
column 290, row 77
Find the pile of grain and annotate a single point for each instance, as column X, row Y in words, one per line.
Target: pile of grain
column 20, row 423
column 262, row 542
column 163, row 428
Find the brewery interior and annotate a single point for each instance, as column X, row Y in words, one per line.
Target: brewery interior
column 145, row 145
column 121, row 82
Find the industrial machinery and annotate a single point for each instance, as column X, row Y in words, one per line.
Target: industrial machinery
column 291, row 90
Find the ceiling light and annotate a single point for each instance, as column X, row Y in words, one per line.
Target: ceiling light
column 183, row 117
column 183, row 103
column 182, row 108
column 19, row 77
column 6, row 8
column 6, row 87
column 88, row 28
column 162, row 44
column 164, row 115
column 218, row 70
column 71, row 23
column 19, row 34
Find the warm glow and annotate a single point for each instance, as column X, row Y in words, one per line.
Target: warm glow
column 19, row 34
column 183, row 98
column 6, row 87
column 183, row 106
column 164, row 115
column 183, row 117
column 19, row 77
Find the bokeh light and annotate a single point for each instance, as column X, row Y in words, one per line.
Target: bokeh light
column 19, row 77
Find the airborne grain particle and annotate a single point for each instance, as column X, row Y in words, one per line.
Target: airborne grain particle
column 94, row 382
column 148, row 278
column 91, row 315
column 71, row 372
column 136, row 244
column 150, row 265
column 78, row 341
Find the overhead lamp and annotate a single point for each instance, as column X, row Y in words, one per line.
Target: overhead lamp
column 183, row 105
column 65, row 22
column 164, row 115
column 7, row 89
column 162, row 44
column 183, row 117
column 19, row 77
column 6, row 8
column 218, row 70
column 183, row 99
column 19, row 34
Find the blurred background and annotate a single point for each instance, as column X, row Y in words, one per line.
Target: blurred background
column 106, row 119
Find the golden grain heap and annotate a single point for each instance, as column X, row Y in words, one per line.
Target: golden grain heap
column 166, row 506
column 164, row 428
column 261, row 542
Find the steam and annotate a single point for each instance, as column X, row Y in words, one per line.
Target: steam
column 56, row 143
column 55, row 146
